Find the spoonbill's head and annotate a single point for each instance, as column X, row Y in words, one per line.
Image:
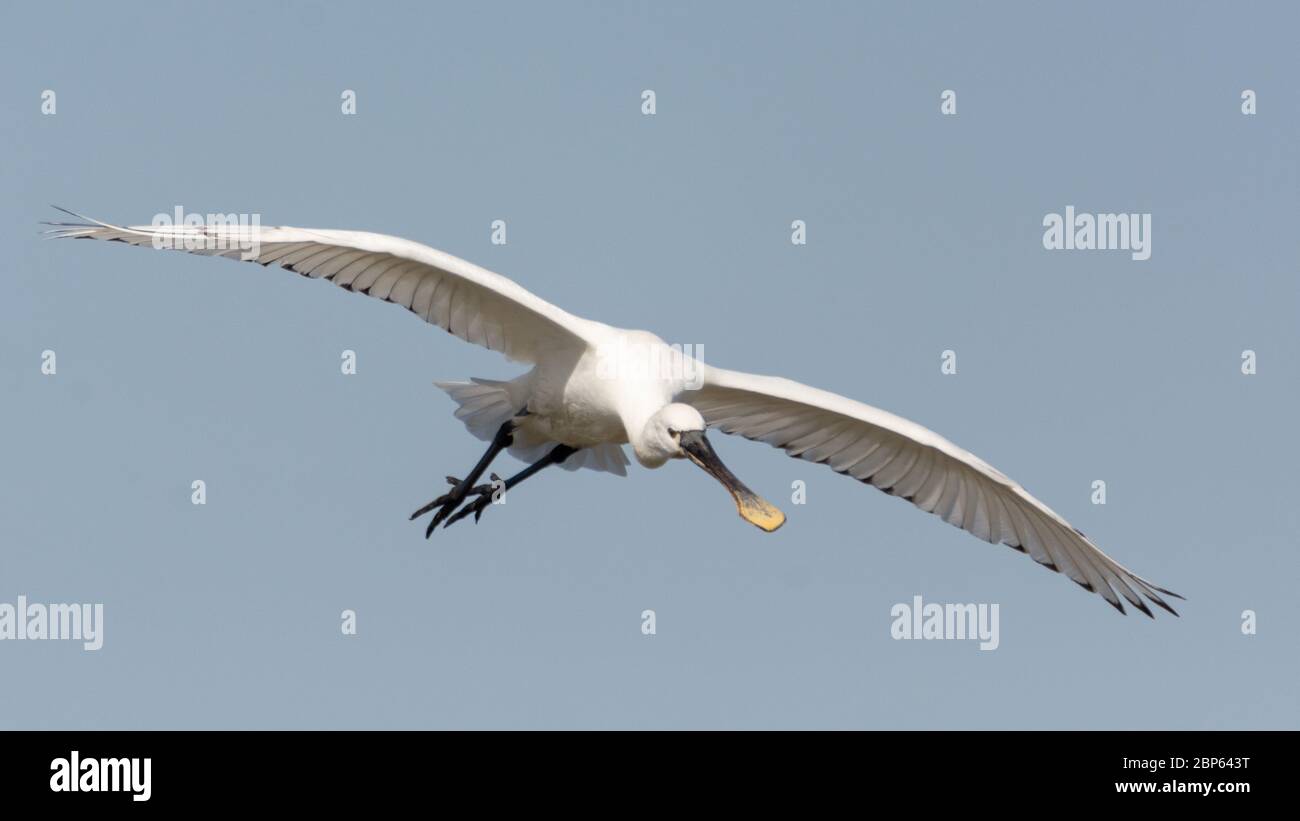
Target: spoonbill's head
column 676, row 431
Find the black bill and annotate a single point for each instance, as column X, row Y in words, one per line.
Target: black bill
column 752, row 508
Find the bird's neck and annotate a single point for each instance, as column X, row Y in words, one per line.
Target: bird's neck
column 649, row 452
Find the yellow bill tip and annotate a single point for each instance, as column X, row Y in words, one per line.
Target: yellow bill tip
column 759, row 513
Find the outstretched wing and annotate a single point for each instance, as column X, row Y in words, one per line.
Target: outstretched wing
column 457, row 296
column 907, row 460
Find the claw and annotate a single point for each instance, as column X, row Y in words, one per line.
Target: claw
column 476, row 507
column 450, row 500
column 417, row 514
column 437, row 519
column 444, row 499
column 440, row 500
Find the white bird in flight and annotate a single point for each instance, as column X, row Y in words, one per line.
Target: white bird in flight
column 593, row 388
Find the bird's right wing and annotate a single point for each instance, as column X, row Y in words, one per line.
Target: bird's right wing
column 906, row 460
column 461, row 298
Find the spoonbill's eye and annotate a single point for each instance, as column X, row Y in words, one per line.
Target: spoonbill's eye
column 673, row 433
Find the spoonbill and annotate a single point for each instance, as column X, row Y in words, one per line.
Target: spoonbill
column 593, row 388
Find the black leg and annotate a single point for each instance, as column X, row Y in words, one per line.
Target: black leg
column 485, row 492
column 450, row 500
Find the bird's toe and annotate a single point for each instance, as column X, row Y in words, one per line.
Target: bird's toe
column 476, row 507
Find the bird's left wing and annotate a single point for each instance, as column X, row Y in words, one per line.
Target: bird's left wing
column 463, row 299
column 904, row 459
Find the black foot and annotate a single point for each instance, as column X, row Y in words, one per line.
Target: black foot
column 449, row 501
column 486, row 493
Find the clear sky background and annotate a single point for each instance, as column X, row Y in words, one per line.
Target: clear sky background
column 924, row 234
